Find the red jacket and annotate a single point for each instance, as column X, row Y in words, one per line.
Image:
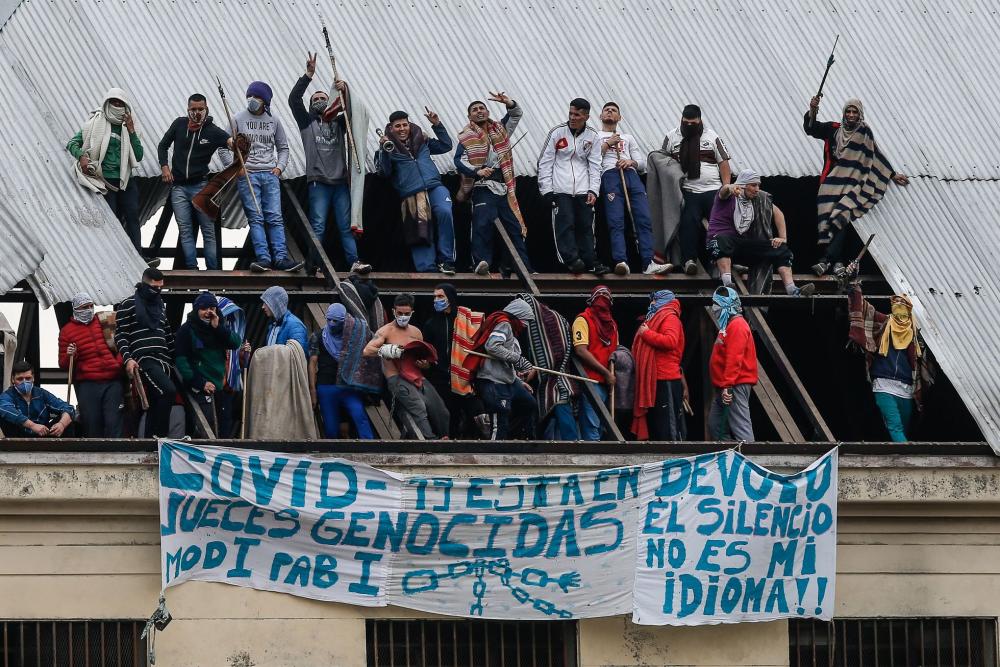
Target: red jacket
column 666, row 337
column 734, row 356
column 94, row 360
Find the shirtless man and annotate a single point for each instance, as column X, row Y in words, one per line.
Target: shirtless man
column 411, row 396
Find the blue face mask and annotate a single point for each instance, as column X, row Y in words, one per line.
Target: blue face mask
column 254, row 105
column 25, row 387
column 440, row 305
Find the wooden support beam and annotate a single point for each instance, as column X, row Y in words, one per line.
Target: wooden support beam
column 522, row 271
column 161, row 228
column 820, row 430
column 28, row 334
column 201, row 426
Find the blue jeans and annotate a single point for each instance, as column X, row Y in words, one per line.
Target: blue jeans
column 486, row 207
column 426, row 257
column 590, row 422
column 613, row 197
column 896, row 413
column 321, row 196
column 180, row 199
column 269, row 228
column 563, row 423
column 331, row 399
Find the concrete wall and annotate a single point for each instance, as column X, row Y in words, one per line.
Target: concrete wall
column 79, row 539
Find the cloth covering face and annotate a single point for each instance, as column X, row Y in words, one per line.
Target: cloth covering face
column 333, row 332
column 97, row 136
column 901, row 327
column 279, row 406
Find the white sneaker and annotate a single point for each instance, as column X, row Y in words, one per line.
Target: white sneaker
column 621, row 269
column 656, row 268
column 361, row 268
column 483, row 268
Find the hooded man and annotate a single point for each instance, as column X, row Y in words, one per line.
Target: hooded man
column 28, row 411
column 733, row 370
column 446, row 329
column 746, row 224
column 405, row 158
column 569, row 179
column 595, row 338
column 705, row 161
column 330, row 372
column 405, row 356
column 896, row 362
column 236, row 361
column 202, row 342
column 284, row 325
column 324, row 138
column 497, row 377
column 146, row 342
column 486, row 164
column 621, row 161
column 267, row 158
column 195, row 138
column 97, row 371
column 105, row 161
column 855, row 176
column 660, row 392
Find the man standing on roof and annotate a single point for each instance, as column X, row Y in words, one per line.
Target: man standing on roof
column 499, row 380
column 486, row 163
column 324, row 130
column 146, row 343
column 621, row 188
column 746, row 224
column 405, row 356
column 405, row 157
column 283, row 325
column 105, row 161
column 267, row 158
column 195, row 139
column 705, row 161
column 897, row 365
column 595, row 338
column 202, row 343
column 97, row 371
column 733, row 370
column 855, row 176
column 569, row 178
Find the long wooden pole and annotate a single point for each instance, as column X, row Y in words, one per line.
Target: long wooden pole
column 69, row 379
column 352, row 147
column 243, row 420
column 581, row 378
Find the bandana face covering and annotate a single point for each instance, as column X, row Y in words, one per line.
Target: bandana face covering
column 83, row 315
column 901, row 313
column 319, row 106
column 440, row 305
column 196, row 118
column 115, row 115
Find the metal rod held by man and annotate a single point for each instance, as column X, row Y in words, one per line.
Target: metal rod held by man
column 236, row 149
column 540, row 369
column 351, row 146
column 829, row 64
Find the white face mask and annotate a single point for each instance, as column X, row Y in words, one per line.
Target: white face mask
column 83, row 315
column 254, row 105
column 403, row 320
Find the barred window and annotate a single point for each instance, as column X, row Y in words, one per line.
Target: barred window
column 72, row 644
column 470, row 643
column 892, row 642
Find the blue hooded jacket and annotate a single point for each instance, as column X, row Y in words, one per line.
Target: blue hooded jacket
column 285, row 326
column 411, row 174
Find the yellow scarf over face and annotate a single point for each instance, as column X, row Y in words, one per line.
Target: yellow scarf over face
column 901, row 327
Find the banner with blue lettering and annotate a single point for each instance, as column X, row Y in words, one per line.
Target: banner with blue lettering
column 707, row 539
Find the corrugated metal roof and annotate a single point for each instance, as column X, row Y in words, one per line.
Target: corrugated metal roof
column 937, row 242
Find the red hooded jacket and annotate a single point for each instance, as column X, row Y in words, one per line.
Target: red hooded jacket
column 734, row 356
column 95, row 362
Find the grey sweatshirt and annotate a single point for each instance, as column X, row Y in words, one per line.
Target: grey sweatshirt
column 502, row 344
column 267, row 136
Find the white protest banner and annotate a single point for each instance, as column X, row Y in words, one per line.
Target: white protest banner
column 724, row 540
column 275, row 522
column 671, row 541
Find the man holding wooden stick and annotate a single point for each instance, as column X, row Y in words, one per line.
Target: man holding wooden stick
column 595, row 337
column 622, row 190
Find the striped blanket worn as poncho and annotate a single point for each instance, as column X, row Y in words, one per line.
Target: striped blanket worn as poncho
column 477, row 147
column 549, row 346
column 467, row 323
column 854, row 184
